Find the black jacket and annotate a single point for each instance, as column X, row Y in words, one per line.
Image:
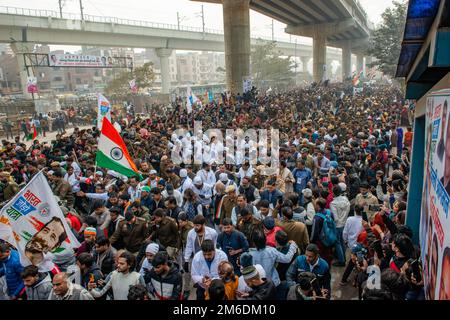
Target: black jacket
column 266, row 291
column 168, row 287
column 106, row 263
column 93, row 270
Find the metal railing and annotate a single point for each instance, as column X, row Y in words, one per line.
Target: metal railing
column 102, row 19
column 120, row 21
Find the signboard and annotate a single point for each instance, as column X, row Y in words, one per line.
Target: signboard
column 434, row 220
column 104, row 110
column 81, row 60
column 247, row 84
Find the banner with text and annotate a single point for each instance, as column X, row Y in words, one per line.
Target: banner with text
column 82, row 60
column 434, row 221
column 34, row 223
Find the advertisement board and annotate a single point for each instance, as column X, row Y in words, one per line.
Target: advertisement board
column 435, row 222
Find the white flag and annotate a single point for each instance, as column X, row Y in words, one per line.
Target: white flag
column 104, row 110
column 34, row 223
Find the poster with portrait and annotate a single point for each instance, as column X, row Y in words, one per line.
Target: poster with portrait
column 435, row 222
column 34, row 223
column 32, row 85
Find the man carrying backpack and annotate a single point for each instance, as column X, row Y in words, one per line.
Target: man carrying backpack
column 324, row 233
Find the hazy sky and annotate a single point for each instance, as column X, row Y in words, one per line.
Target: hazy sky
column 165, row 11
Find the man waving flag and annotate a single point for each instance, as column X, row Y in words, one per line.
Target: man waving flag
column 112, row 152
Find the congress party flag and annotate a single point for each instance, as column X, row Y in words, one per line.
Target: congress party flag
column 112, row 152
column 104, row 110
column 34, row 223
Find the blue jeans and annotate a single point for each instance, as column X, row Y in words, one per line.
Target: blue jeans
column 340, row 246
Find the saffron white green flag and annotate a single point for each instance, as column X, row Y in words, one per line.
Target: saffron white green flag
column 104, row 110
column 112, row 152
column 34, row 223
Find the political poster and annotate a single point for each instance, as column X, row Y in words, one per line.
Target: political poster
column 32, row 85
column 34, row 223
column 88, row 61
column 133, row 86
column 435, row 222
column 247, row 84
column 104, row 110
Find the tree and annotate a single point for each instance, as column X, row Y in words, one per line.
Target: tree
column 144, row 76
column 385, row 43
column 267, row 63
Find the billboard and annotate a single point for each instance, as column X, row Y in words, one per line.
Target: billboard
column 81, row 60
column 434, row 221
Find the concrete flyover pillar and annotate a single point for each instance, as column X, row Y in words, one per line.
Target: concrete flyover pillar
column 360, row 64
column 346, row 59
column 305, row 60
column 369, row 60
column 236, row 21
column 319, row 56
column 164, row 55
column 19, row 49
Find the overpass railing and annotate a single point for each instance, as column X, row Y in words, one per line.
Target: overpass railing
column 101, row 19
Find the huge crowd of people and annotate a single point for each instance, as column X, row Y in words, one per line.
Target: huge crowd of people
column 335, row 207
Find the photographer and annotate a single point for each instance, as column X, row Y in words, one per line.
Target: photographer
column 306, row 288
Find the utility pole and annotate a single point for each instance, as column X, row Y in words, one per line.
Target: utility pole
column 81, row 9
column 60, row 8
column 203, row 21
column 273, row 34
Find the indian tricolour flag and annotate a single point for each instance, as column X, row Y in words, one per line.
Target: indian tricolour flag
column 112, row 152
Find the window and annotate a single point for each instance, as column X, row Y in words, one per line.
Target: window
column 57, row 79
column 78, row 81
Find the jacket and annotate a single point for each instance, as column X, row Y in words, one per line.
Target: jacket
column 265, row 291
column 268, row 256
column 166, row 232
column 272, row 197
column 210, row 234
column 248, row 228
column 295, row 231
column 63, row 190
column 41, row 289
column 113, row 225
column 340, row 207
column 320, row 269
column 183, row 233
column 95, row 271
column 235, row 241
column 106, row 260
column 200, row 267
column 251, row 193
column 11, row 269
column 132, row 238
column 168, row 287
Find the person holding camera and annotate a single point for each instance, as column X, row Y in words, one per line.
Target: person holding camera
column 306, row 288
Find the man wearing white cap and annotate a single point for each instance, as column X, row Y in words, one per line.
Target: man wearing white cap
column 223, row 177
column 203, row 190
column 150, row 251
column 186, row 182
column 152, row 180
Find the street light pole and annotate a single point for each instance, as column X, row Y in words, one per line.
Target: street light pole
column 203, row 21
column 60, row 8
column 178, row 20
column 81, row 9
column 273, row 35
